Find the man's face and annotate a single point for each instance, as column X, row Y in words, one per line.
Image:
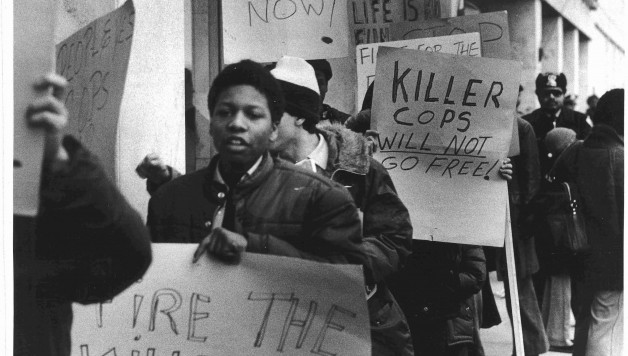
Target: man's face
column 322, row 83
column 551, row 100
column 241, row 125
column 287, row 135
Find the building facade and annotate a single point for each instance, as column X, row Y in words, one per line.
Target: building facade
column 582, row 38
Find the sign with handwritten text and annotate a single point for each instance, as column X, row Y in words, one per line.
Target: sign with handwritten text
column 445, row 124
column 265, row 30
column 370, row 20
column 492, row 26
column 265, row 305
column 94, row 60
column 466, row 44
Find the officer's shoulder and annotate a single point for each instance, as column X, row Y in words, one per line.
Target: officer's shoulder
column 532, row 116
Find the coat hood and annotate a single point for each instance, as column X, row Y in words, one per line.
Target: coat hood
column 348, row 150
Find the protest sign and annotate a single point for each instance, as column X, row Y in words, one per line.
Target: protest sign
column 466, row 44
column 265, row 30
column 493, row 29
column 445, row 124
column 94, row 60
column 265, row 305
column 492, row 26
column 370, row 20
column 33, row 56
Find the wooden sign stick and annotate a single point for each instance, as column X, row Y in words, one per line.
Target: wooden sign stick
column 512, row 286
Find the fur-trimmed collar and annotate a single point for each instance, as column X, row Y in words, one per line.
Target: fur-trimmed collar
column 348, row 150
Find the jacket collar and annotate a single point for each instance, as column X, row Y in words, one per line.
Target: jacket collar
column 213, row 188
column 348, row 151
column 603, row 135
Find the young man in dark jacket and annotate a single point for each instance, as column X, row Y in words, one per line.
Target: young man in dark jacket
column 339, row 154
column 86, row 245
column 596, row 167
column 435, row 290
column 248, row 200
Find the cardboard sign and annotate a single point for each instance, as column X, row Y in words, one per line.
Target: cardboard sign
column 492, row 26
column 370, row 20
column 33, row 56
column 445, row 125
column 94, row 60
column 265, row 30
column 265, row 305
column 466, row 44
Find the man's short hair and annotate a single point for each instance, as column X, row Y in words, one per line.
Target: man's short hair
column 610, row 110
column 251, row 73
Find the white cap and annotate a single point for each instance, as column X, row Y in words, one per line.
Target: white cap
column 297, row 71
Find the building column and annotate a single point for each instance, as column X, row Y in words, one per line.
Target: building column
column 525, row 23
column 201, row 68
column 552, row 43
column 585, row 89
column 571, row 62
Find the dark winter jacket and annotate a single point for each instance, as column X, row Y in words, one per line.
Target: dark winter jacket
column 522, row 189
column 330, row 115
column 438, row 283
column 543, row 124
column 387, row 232
column 386, row 228
column 281, row 209
column 597, row 167
column 86, row 245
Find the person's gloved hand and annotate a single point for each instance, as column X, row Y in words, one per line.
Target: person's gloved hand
column 154, row 169
column 49, row 112
column 505, row 170
column 372, row 138
column 222, row 243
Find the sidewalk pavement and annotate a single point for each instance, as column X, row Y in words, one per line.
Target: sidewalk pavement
column 497, row 341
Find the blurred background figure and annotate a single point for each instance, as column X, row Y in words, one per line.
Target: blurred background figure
column 596, row 167
column 592, row 103
column 86, row 245
column 550, row 91
column 557, row 314
column 570, row 101
column 323, row 72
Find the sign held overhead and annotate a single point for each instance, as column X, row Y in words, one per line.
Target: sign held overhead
column 445, row 124
column 266, row 30
column 466, row 44
column 492, row 26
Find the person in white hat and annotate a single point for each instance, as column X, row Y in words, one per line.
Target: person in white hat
column 343, row 155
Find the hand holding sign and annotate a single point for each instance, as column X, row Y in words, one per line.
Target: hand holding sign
column 222, row 243
column 506, row 170
column 49, row 113
column 265, row 305
column 445, row 123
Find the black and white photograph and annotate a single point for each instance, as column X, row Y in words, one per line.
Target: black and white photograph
column 312, row 177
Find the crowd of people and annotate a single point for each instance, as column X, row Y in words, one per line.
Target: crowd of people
column 295, row 177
